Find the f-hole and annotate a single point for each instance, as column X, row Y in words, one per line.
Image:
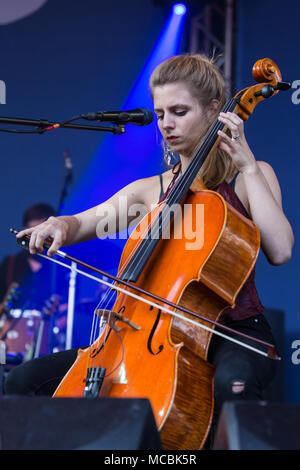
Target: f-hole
column 149, row 345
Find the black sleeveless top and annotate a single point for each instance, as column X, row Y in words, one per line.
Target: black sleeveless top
column 248, row 303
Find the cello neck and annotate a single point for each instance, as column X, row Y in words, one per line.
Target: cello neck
column 178, row 192
column 182, row 186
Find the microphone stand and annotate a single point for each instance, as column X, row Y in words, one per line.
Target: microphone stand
column 2, row 366
column 42, row 126
column 67, row 181
column 73, row 274
column 71, row 306
column 45, row 125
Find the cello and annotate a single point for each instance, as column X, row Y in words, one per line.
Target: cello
column 146, row 350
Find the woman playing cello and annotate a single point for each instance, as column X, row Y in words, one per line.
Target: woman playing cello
column 188, row 94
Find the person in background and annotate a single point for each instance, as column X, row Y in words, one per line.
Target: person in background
column 32, row 273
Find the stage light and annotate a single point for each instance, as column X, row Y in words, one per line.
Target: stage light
column 121, row 159
column 139, row 148
column 179, row 9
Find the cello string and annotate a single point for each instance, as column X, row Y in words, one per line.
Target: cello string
column 96, row 325
column 201, row 151
column 109, row 293
column 204, row 148
column 98, row 318
column 108, row 296
column 146, row 229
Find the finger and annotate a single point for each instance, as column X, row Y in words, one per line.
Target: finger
column 31, row 246
column 234, row 123
column 55, row 245
column 228, row 139
column 225, row 147
column 234, row 118
column 40, row 240
column 234, row 129
column 24, row 232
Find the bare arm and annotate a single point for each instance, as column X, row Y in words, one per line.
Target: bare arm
column 112, row 216
column 258, row 186
column 265, row 207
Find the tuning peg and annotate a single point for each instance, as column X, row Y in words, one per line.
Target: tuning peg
column 266, row 91
column 283, row 86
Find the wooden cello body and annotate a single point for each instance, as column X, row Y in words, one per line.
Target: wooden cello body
column 144, row 352
column 165, row 360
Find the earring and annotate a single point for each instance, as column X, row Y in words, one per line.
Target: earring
column 169, row 156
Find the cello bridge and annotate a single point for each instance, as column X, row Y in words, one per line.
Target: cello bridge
column 112, row 317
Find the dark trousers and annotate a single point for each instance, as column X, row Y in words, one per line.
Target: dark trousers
column 240, row 374
column 39, row 376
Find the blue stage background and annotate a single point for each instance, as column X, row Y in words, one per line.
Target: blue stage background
column 267, row 29
column 72, row 57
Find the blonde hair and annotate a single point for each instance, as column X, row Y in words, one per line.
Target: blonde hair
column 205, row 83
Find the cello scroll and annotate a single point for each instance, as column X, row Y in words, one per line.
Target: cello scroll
column 268, row 76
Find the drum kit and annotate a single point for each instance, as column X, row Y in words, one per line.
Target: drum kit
column 57, row 325
column 28, row 333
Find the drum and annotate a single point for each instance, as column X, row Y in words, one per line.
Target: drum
column 18, row 330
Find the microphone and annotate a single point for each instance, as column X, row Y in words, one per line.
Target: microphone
column 140, row 116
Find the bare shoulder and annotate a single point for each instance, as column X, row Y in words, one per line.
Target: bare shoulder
column 149, row 189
